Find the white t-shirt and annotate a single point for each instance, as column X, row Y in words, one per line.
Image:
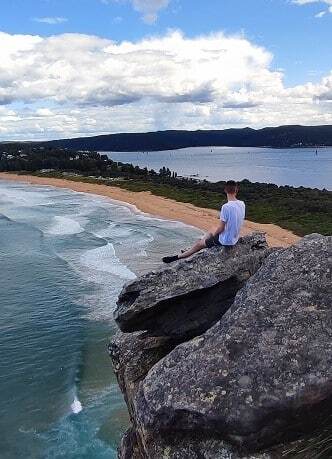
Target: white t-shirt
column 232, row 213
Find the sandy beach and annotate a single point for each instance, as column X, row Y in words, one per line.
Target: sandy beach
column 158, row 206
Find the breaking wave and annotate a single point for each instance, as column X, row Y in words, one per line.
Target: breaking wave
column 64, row 226
column 104, row 259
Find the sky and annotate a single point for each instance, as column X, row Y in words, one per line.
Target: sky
column 71, row 68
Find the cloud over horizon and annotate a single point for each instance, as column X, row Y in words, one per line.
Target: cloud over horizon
column 73, row 84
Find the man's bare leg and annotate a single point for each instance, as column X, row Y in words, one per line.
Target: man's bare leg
column 199, row 245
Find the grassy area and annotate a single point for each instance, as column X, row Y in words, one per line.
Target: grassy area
column 301, row 210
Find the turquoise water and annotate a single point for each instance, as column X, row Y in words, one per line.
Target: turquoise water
column 64, row 257
column 292, row 166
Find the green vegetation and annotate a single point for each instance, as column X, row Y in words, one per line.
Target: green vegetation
column 301, row 210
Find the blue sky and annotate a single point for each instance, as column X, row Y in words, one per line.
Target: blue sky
column 297, row 35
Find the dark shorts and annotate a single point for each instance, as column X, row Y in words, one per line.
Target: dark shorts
column 212, row 241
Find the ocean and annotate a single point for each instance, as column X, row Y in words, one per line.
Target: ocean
column 64, row 257
column 292, row 166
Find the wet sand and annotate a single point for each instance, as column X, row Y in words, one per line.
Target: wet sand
column 202, row 218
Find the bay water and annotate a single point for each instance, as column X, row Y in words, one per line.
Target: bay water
column 308, row 167
column 64, row 257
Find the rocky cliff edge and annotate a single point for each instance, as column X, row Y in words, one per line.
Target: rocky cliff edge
column 229, row 354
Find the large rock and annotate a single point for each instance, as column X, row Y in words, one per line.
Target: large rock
column 263, row 373
column 186, row 299
column 133, row 355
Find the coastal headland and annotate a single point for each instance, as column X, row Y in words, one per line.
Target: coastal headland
column 274, row 137
column 159, row 206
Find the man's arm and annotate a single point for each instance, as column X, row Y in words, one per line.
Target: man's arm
column 220, row 228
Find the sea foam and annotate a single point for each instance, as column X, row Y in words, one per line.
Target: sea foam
column 21, row 196
column 62, row 226
column 76, row 406
column 104, row 259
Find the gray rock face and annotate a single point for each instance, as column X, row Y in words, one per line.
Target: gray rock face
column 260, row 375
column 129, row 447
column 209, row 279
column 185, row 300
column 133, row 355
column 181, row 445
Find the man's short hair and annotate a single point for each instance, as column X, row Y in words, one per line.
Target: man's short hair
column 231, row 187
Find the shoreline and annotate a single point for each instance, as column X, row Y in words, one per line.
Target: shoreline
column 160, row 207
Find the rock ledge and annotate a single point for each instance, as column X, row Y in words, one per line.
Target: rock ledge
column 228, row 354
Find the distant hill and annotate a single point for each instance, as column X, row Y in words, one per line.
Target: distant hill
column 275, row 137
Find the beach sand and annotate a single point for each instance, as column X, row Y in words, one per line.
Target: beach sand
column 204, row 219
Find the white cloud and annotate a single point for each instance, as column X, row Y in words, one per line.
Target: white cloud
column 44, row 112
column 73, row 84
column 148, row 8
column 51, row 20
column 307, row 2
column 321, row 13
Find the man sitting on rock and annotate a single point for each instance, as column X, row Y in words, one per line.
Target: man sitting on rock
column 227, row 232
